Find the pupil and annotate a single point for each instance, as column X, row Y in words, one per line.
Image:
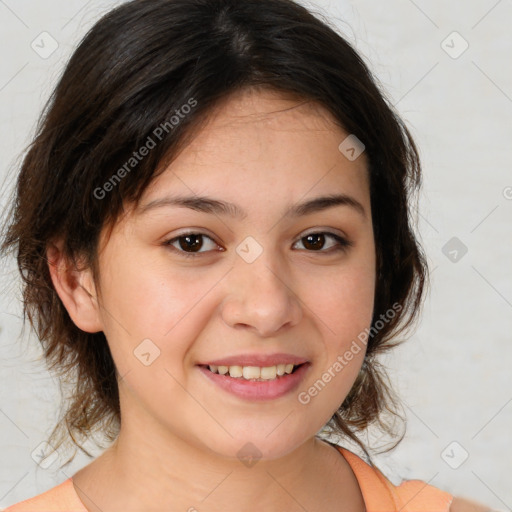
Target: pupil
column 193, row 242
column 319, row 241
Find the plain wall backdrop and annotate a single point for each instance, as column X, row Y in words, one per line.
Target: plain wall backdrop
column 445, row 65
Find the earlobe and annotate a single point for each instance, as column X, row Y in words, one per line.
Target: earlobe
column 75, row 288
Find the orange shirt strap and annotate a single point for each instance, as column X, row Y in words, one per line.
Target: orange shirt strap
column 380, row 495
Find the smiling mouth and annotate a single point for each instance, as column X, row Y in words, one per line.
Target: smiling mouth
column 254, row 373
column 256, row 383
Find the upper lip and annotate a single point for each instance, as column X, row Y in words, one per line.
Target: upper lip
column 261, row 360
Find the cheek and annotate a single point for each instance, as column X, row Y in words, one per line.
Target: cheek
column 342, row 301
column 343, row 309
column 151, row 301
column 343, row 304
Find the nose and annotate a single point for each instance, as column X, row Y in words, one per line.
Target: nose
column 259, row 297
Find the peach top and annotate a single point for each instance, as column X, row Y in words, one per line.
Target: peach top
column 379, row 494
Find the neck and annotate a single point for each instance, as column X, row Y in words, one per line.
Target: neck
column 140, row 473
column 151, row 468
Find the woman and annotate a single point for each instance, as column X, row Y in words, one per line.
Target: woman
column 213, row 229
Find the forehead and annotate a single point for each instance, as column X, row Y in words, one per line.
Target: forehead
column 260, row 148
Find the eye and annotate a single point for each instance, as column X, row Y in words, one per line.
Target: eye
column 315, row 242
column 190, row 244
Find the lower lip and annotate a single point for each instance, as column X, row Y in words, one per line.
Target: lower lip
column 258, row 390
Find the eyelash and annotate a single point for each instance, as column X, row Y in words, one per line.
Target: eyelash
column 343, row 244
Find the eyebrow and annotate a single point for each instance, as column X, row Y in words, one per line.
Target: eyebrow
column 215, row 206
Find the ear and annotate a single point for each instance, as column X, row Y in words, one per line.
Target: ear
column 75, row 288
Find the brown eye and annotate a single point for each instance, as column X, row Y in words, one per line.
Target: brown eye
column 190, row 244
column 315, row 242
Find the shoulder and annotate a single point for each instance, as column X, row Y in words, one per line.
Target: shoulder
column 410, row 495
column 419, row 495
column 61, row 498
column 465, row 505
column 380, row 493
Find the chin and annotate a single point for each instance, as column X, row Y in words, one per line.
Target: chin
column 251, row 445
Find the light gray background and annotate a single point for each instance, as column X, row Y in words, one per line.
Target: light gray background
column 454, row 373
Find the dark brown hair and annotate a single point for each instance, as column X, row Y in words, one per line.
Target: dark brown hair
column 133, row 71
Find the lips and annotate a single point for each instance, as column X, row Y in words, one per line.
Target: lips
column 261, row 360
column 257, row 390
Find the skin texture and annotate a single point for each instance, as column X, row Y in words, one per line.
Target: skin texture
column 180, row 434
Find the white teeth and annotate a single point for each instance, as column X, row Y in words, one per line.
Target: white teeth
column 269, row 372
column 253, row 372
column 235, row 371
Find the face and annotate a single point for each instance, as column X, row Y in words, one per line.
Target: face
column 262, row 283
